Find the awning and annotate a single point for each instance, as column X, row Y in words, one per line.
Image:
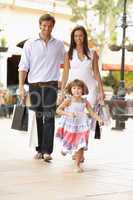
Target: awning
column 116, row 67
column 111, row 61
column 21, row 44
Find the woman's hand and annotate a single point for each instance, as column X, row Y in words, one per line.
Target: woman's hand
column 101, row 122
column 101, row 97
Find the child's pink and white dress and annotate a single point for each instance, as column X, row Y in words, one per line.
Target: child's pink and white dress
column 74, row 131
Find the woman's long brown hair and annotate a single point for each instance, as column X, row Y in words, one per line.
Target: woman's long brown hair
column 86, row 50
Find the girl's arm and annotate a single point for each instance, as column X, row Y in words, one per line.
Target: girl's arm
column 61, row 108
column 97, row 75
column 93, row 114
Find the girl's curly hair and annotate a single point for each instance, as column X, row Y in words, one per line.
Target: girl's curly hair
column 78, row 83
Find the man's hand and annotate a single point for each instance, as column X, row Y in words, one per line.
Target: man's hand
column 22, row 93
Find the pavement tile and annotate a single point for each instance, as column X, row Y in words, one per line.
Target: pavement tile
column 108, row 169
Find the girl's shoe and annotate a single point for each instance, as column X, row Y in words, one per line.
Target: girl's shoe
column 78, row 169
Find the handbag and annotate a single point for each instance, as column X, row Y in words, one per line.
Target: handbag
column 97, row 125
column 20, row 118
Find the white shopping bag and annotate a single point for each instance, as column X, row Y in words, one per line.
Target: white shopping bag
column 105, row 114
column 32, row 129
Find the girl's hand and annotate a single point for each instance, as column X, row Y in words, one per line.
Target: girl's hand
column 60, row 98
column 71, row 114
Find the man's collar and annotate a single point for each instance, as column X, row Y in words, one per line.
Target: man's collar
column 39, row 38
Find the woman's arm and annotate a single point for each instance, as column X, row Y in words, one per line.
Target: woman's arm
column 97, row 75
column 93, row 114
column 65, row 73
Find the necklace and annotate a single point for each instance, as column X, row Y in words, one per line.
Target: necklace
column 80, row 53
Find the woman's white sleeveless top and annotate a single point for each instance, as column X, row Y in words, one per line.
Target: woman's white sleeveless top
column 83, row 70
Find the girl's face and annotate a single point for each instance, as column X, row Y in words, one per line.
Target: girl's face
column 78, row 37
column 76, row 91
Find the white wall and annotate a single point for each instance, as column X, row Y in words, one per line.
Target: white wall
column 20, row 24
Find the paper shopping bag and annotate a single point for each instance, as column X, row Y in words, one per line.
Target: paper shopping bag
column 32, row 129
column 105, row 114
column 20, row 118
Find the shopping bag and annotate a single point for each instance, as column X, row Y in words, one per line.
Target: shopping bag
column 97, row 131
column 32, row 129
column 105, row 114
column 94, row 125
column 20, row 118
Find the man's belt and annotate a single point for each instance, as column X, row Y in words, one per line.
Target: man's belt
column 45, row 84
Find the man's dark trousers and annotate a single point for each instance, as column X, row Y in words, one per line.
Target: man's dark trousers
column 43, row 101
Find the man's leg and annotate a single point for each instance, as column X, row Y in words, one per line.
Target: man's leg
column 48, row 129
column 49, row 107
column 35, row 99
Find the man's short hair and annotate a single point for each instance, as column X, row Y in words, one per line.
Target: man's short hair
column 46, row 17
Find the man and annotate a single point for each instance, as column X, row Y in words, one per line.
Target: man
column 41, row 60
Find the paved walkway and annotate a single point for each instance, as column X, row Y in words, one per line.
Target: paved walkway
column 108, row 169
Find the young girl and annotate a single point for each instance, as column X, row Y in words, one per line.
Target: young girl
column 73, row 128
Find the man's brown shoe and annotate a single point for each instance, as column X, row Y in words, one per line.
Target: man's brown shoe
column 38, row 156
column 47, row 157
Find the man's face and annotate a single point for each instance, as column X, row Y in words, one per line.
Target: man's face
column 46, row 28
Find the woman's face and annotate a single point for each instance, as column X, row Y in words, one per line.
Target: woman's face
column 78, row 37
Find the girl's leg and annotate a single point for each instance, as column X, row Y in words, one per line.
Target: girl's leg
column 78, row 156
column 74, row 158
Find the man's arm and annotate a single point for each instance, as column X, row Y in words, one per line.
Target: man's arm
column 22, row 77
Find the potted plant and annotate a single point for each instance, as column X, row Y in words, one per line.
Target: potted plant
column 3, row 44
column 113, row 43
column 129, row 47
column 128, row 44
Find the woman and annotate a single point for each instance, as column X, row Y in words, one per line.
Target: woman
column 82, row 63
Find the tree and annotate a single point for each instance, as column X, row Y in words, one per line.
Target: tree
column 79, row 13
column 113, row 80
column 107, row 11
